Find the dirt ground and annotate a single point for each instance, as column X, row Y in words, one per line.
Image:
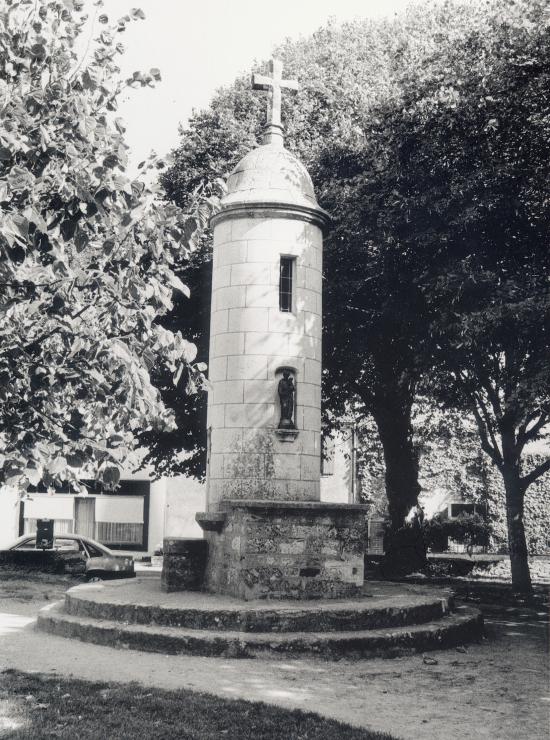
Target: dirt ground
column 498, row 689
column 24, row 595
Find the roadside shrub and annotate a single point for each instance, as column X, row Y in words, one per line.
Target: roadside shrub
column 467, row 529
column 435, row 533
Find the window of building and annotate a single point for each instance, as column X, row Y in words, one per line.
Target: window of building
column 462, row 508
column 285, row 283
column 118, row 519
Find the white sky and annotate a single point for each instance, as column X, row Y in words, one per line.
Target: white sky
column 202, row 45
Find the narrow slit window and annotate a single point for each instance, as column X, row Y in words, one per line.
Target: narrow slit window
column 285, row 283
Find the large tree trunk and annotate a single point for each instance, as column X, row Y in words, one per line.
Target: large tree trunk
column 393, row 419
column 405, row 549
column 515, row 492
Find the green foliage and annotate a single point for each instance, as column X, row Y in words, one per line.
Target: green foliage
column 450, row 457
column 451, row 462
column 452, row 467
column 486, row 168
column 474, row 145
column 344, row 73
column 181, row 450
column 88, row 255
column 466, row 529
column 428, row 140
column 536, row 513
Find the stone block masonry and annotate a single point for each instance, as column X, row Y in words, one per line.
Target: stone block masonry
column 251, row 339
column 288, row 550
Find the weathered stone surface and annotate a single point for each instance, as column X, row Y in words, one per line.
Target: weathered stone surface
column 288, row 550
column 388, row 620
column 184, row 564
column 210, row 521
column 455, row 629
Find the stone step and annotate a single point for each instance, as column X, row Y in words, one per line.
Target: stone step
column 202, row 613
column 462, row 626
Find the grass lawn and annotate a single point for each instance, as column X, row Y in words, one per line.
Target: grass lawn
column 34, row 706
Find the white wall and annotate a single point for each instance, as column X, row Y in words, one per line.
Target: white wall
column 9, row 516
column 42, row 506
column 173, row 504
column 184, row 497
column 337, row 487
column 157, row 505
column 437, row 500
column 172, row 507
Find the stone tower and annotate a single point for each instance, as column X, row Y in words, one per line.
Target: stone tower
column 268, row 533
column 265, row 320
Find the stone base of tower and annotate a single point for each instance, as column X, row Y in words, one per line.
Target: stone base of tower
column 285, row 550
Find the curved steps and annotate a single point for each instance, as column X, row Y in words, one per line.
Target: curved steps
column 207, row 614
column 455, row 629
column 394, row 622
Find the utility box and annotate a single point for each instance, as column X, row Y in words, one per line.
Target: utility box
column 44, row 534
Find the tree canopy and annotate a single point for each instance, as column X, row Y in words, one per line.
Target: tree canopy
column 480, row 149
column 88, row 254
column 427, row 139
column 345, row 71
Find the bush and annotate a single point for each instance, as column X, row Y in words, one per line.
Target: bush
column 467, row 529
column 435, row 534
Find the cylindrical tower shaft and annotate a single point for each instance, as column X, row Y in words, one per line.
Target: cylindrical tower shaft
column 265, row 320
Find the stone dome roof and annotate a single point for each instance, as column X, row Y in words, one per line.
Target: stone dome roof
column 270, row 174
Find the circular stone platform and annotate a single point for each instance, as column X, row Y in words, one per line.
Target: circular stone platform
column 388, row 620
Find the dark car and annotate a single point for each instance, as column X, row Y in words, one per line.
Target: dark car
column 82, row 555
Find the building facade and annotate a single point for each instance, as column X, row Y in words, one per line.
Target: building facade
column 143, row 511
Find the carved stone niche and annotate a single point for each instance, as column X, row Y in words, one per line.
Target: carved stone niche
column 285, row 378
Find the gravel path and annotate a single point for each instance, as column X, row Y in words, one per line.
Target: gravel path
column 497, row 690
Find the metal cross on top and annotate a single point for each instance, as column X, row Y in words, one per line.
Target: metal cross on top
column 273, row 130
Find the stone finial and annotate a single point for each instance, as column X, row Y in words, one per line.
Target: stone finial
column 273, row 131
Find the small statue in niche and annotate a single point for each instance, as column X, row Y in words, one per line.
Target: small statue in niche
column 286, row 392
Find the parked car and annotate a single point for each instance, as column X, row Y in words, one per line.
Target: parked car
column 80, row 555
